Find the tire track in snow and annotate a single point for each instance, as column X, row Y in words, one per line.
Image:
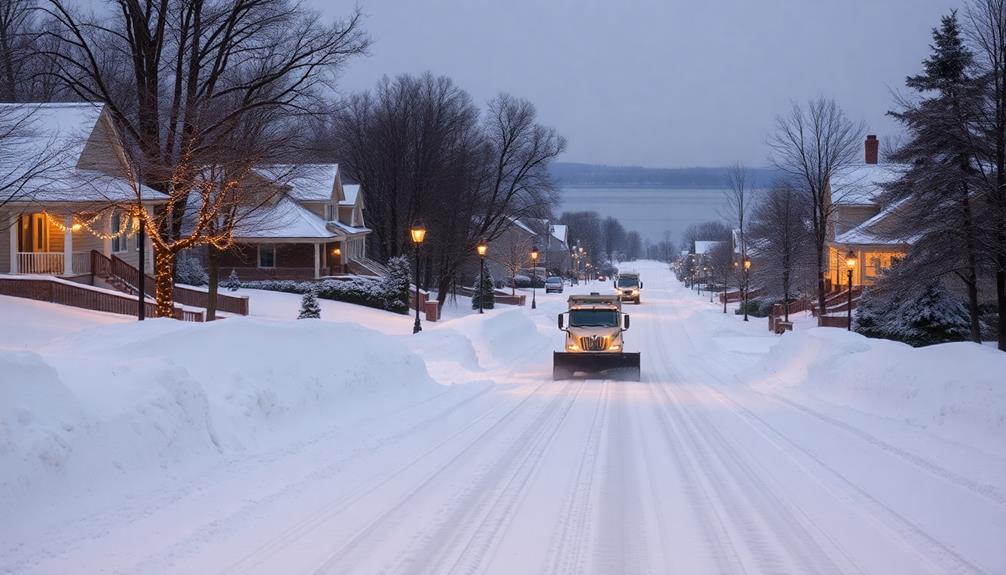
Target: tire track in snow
column 568, row 540
column 621, row 539
column 946, row 559
column 382, row 521
column 334, row 507
column 983, row 490
column 483, row 538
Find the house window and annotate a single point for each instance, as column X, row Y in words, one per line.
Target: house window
column 266, row 256
column 329, row 213
column 119, row 243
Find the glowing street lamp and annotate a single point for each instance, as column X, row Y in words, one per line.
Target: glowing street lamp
column 482, row 249
column 850, row 263
column 418, row 233
column 534, row 275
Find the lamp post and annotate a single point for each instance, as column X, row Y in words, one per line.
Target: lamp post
column 712, row 275
column 850, row 264
column 747, row 270
column 534, row 275
column 481, row 249
column 418, row 232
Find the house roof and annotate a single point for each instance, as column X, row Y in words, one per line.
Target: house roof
column 308, row 182
column 860, row 186
column 703, row 247
column 352, row 192
column 559, row 232
column 286, row 219
column 49, row 140
column 868, row 232
column 348, row 229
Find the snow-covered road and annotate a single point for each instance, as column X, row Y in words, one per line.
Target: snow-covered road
column 688, row 471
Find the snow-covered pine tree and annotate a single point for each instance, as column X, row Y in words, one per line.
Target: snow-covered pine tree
column 484, row 292
column 309, row 307
column 869, row 317
column 398, row 284
column 233, row 283
column 189, row 270
column 934, row 316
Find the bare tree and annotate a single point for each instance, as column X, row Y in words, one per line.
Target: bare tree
column 721, row 261
column 780, row 239
column 812, row 146
column 614, row 237
column 987, row 34
column 739, row 204
column 178, row 76
column 513, row 253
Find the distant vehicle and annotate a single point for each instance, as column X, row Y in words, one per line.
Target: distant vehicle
column 594, row 342
column 553, row 284
column 628, row 286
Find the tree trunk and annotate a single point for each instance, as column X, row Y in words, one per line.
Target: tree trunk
column 971, row 280
column 164, row 285
column 213, row 259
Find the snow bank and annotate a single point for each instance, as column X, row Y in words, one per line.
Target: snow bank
column 124, row 398
column 507, row 339
column 955, row 390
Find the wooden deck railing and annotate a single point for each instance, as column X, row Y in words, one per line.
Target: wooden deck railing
column 55, row 290
column 186, row 296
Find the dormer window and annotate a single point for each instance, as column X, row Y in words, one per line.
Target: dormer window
column 329, row 213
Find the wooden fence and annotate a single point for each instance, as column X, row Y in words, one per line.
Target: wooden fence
column 54, row 290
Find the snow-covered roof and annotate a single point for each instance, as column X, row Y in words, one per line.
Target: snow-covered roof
column 559, row 232
column 860, row 186
column 868, row 232
column 348, row 229
column 285, row 220
column 49, row 141
column 523, row 226
column 308, row 182
column 703, row 247
column 352, row 192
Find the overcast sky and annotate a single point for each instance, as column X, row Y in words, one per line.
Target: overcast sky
column 659, row 83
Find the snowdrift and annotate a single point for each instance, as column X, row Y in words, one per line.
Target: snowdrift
column 955, row 390
column 126, row 398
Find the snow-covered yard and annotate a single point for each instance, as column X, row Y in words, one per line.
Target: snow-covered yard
column 347, row 445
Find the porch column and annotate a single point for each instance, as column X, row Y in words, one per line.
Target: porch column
column 106, row 242
column 15, row 221
column 68, row 246
column 317, row 262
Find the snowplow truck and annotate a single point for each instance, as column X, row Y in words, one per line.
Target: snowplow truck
column 594, row 344
column 628, row 286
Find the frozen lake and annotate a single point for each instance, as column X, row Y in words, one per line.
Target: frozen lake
column 649, row 210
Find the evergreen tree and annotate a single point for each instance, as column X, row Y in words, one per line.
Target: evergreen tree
column 398, row 283
column 233, row 283
column 869, row 318
column 484, row 292
column 189, row 270
column 934, row 316
column 309, row 307
column 936, row 197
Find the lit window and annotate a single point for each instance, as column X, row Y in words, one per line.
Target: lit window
column 267, row 256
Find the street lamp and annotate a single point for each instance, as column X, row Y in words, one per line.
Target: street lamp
column 712, row 276
column 482, row 248
column 747, row 270
column 850, row 263
column 534, row 275
column 418, row 233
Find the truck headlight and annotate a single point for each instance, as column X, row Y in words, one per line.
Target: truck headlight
column 572, row 347
column 635, row 292
column 615, row 347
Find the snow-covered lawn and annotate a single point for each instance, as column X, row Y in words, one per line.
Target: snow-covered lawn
column 348, row 445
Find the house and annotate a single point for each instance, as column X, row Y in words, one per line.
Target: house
column 858, row 220
column 310, row 226
column 79, row 204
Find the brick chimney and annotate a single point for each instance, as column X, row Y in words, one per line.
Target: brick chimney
column 872, row 149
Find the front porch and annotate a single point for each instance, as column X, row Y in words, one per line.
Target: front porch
column 59, row 242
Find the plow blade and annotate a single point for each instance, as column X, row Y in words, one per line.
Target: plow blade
column 621, row 366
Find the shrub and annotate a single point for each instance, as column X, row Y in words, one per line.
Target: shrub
column 755, row 308
column 309, row 308
column 380, row 293
column 233, row 283
column 189, row 270
column 934, row 316
column 484, row 292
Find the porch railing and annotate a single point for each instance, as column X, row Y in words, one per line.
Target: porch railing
column 57, row 290
column 51, row 263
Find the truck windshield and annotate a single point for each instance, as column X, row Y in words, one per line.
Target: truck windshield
column 593, row 318
column 628, row 282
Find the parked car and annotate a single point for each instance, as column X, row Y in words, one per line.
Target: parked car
column 553, row 284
